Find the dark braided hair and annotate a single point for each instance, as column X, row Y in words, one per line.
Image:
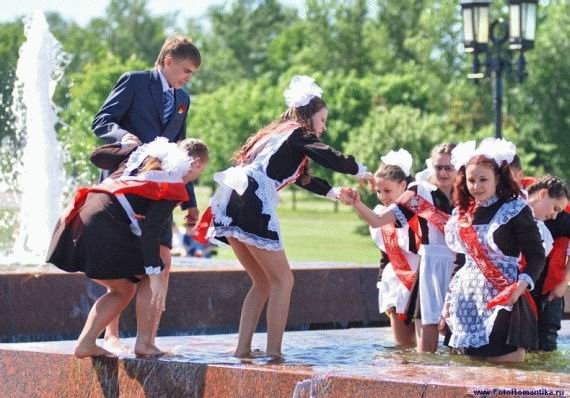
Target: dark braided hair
column 555, row 186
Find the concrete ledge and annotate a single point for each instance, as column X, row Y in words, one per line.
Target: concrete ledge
column 205, row 298
column 340, row 363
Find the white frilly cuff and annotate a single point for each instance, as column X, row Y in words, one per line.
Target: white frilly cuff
column 399, row 215
column 152, row 270
column 333, row 193
column 527, row 279
column 362, row 171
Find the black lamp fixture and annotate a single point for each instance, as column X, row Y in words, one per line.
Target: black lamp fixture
column 482, row 37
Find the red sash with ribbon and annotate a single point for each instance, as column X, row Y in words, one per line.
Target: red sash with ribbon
column 399, row 262
column 490, row 271
column 423, row 208
column 556, row 265
column 147, row 189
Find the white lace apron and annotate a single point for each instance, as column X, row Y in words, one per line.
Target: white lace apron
column 236, row 179
column 469, row 319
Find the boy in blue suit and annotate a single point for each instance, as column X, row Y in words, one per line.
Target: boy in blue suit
column 142, row 106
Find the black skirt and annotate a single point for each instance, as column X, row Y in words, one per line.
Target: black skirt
column 512, row 330
column 98, row 242
column 248, row 224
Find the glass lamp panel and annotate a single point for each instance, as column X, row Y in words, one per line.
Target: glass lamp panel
column 515, row 21
column 482, row 24
column 529, row 21
column 468, row 35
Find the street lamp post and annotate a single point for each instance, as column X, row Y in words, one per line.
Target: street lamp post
column 519, row 32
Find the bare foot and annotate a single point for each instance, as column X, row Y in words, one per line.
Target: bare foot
column 115, row 345
column 83, row 350
column 242, row 354
column 148, row 351
column 275, row 356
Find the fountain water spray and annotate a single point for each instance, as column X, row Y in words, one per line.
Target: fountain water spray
column 40, row 176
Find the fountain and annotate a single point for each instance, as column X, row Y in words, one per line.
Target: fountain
column 37, row 179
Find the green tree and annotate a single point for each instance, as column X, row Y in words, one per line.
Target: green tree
column 89, row 89
column 12, row 34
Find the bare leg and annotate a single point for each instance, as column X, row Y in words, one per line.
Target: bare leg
column 147, row 316
column 276, row 267
column 166, row 258
column 112, row 341
column 404, row 335
column 427, row 337
column 104, row 310
column 517, row 356
column 254, row 300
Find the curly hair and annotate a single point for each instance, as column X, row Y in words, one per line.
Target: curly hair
column 507, row 187
column 302, row 115
column 555, row 186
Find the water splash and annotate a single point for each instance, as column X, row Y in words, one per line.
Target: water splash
column 37, row 179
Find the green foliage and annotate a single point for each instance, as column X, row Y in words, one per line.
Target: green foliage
column 89, row 89
column 227, row 116
column 12, row 35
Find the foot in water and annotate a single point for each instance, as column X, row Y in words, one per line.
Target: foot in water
column 148, row 351
column 83, row 350
column 115, row 345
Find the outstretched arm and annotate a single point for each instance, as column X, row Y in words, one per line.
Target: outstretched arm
column 351, row 197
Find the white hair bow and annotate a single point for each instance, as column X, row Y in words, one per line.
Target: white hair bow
column 301, row 90
column 175, row 162
column 400, row 158
column 497, row 149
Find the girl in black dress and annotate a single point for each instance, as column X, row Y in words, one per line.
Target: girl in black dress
column 112, row 233
column 489, row 310
column 244, row 205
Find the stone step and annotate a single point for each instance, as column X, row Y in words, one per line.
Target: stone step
column 326, row 363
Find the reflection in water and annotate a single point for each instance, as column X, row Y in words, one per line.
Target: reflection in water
column 358, row 352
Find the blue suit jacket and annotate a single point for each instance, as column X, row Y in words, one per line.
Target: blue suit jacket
column 136, row 106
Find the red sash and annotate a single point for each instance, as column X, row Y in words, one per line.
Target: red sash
column 147, row 189
column 397, row 259
column 556, row 265
column 490, row 271
column 424, row 209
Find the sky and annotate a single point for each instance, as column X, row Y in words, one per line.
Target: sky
column 82, row 11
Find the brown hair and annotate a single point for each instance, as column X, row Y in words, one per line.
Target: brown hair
column 150, row 163
column 301, row 115
column 195, row 148
column 393, row 173
column 178, row 47
column 555, row 187
column 507, row 187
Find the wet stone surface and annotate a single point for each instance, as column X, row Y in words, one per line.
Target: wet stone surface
column 353, row 362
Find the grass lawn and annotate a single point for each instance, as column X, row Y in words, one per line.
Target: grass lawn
column 314, row 231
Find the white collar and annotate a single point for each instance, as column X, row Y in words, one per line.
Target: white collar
column 165, row 85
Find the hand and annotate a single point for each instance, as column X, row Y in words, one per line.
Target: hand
column 521, row 286
column 192, row 216
column 347, row 196
column 130, row 139
column 158, row 291
column 558, row 291
column 442, row 325
column 366, row 178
